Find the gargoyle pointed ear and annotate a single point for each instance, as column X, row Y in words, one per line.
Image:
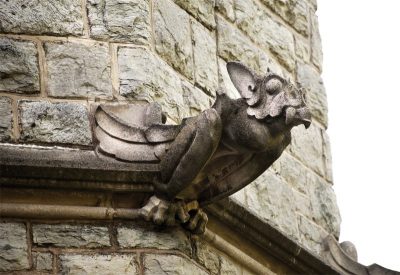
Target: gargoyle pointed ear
column 242, row 78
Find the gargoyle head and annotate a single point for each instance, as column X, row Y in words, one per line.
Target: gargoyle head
column 270, row 97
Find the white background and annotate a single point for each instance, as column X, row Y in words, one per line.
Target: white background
column 361, row 45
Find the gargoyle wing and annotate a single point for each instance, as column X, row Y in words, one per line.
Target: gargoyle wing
column 132, row 133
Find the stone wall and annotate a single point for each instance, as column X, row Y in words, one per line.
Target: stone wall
column 60, row 57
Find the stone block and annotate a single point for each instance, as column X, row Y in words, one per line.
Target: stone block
column 328, row 157
column 120, row 20
column 143, row 76
column 42, row 261
column 195, row 99
column 19, row 71
column 205, row 58
column 307, row 146
column 295, row 12
column 325, row 211
column 6, row 119
column 51, row 17
column 13, row 247
column 172, row 36
column 141, row 237
column 226, row 7
column 272, row 199
column 66, row 123
column 316, row 44
column 302, row 49
column 202, row 10
column 312, row 235
column 98, row 264
column 234, row 46
column 170, row 264
column 65, row 235
column 78, row 70
column 253, row 19
column 207, row 257
column 311, row 81
column 229, row 268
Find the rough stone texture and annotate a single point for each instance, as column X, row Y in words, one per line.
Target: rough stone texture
column 233, row 45
column 311, row 81
column 19, row 70
column 140, row 237
column 295, row 12
column 226, row 7
column 98, row 264
column 325, row 211
column 143, row 76
column 195, row 99
column 42, row 261
column 65, row 235
column 316, row 45
column 307, row 146
column 120, row 20
column 172, row 36
column 258, row 25
column 203, row 10
column 327, row 157
column 42, row 121
column 272, row 200
column 302, row 49
column 311, row 234
column 6, row 119
column 205, row 58
column 170, row 264
column 55, row 17
column 78, row 70
column 229, row 268
column 207, row 257
column 13, row 247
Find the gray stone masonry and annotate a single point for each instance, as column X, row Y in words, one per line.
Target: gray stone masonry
column 45, row 122
column 203, row 10
column 6, row 119
column 13, row 247
column 78, row 70
column 19, row 72
column 170, row 264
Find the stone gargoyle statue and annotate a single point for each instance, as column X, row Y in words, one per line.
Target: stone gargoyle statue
column 209, row 156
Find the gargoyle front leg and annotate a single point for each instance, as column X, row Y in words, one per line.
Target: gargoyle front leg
column 188, row 153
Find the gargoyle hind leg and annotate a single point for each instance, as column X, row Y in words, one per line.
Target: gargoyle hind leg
column 189, row 152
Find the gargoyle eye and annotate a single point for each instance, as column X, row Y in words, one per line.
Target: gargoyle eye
column 273, row 85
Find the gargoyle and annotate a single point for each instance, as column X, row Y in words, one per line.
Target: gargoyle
column 212, row 155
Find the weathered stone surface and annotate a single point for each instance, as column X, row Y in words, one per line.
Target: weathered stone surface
column 140, row 237
column 172, row 36
column 229, row 268
column 293, row 171
column 13, row 247
column 65, row 235
column 19, row 70
column 316, row 44
column 42, row 261
column 307, row 146
column 226, row 7
column 325, row 211
column 310, row 80
column 205, row 58
column 272, row 199
column 58, row 17
column 98, row 264
column 233, row 45
column 207, row 257
column 170, row 264
column 195, row 99
column 253, row 19
column 120, row 20
column 327, row 157
column 145, row 77
column 200, row 9
column 302, row 49
column 78, row 70
column 42, row 121
column 6, row 119
column 312, row 235
column 295, row 12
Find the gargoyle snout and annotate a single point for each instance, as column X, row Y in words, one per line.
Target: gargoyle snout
column 298, row 116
